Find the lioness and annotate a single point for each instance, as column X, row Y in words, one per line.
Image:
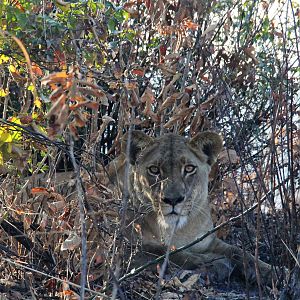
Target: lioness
column 168, row 182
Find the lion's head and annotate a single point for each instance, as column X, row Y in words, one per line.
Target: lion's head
column 170, row 173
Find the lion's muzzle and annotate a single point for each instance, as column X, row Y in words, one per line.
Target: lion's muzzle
column 173, row 201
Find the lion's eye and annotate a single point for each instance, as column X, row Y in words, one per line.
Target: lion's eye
column 154, row 170
column 189, row 169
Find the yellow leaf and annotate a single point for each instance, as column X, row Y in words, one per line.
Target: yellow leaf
column 42, row 130
column 37, row 102
column 34, row 115
column 12, row 68
column 14, row 133
column 15, row 120
column 3, row 59
column 64, row 6
column 9, row 147
column 3, row 92
column 5, row 137
column 1, row 159
column 31, row 88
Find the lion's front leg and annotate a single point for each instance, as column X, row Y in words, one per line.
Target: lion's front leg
column 244, row 261
column 216, row 265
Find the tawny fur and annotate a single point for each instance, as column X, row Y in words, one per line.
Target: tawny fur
column 191, row 218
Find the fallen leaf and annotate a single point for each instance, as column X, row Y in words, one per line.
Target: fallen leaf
column 188, row 284
column 72, row 242
column 56, row 206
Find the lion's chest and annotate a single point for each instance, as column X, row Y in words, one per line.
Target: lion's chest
column 155, row 234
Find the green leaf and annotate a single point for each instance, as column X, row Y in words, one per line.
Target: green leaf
column 121, row 15
column 111, row 25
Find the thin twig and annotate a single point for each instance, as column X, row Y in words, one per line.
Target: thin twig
column 209, row 232
column 167, row 254
column 52, row 277
column 124, row 206
column 81, row 201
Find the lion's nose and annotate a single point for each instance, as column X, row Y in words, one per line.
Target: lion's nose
column 173, row 201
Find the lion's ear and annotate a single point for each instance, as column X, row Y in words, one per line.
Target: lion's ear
column 138, row 141
column 210, row 143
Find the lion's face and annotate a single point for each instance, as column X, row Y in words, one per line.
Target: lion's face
column 171, row 174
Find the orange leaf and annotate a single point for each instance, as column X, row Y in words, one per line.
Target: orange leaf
column 78, row 98
column 138, row 72
column 55, row 77
column 39, row 191
column 37, row 70
column 205, row 78
column 20, row 212
column 18, row 5
column 190, row 25
column 68, row 293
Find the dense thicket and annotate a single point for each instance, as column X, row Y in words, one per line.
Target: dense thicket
column 86, row 71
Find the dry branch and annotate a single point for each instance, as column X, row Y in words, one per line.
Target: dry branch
column 52, row 277
column 81, row 202
column 209, row 232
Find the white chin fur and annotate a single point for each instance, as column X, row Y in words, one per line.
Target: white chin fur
column 169, row 221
